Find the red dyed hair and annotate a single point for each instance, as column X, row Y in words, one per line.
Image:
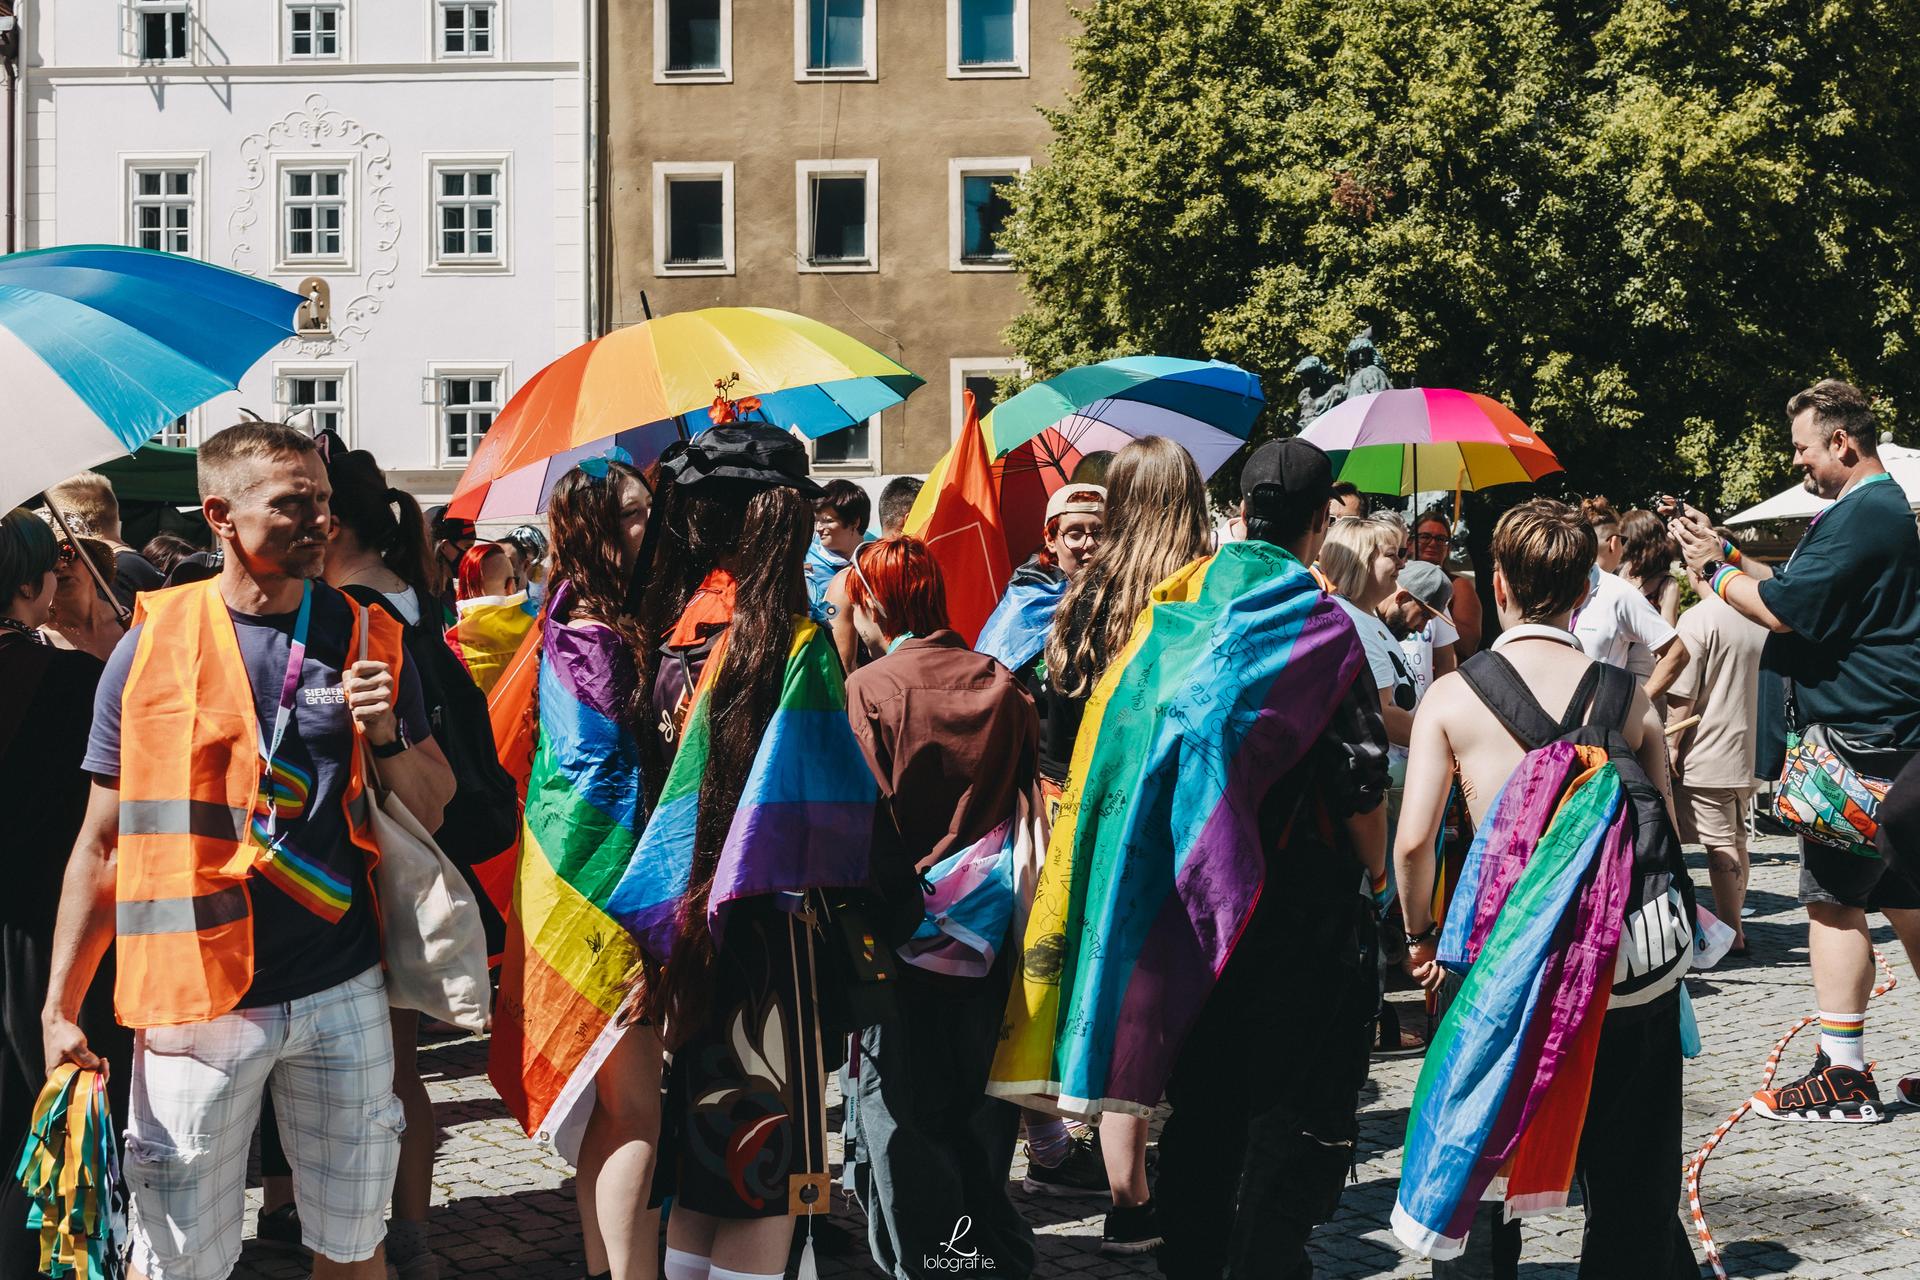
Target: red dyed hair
column 473, row 569
column 1052, row 529
column 898, row 580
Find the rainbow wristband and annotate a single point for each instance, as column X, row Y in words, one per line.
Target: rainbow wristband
column 1379, row 884
column 1730, row 553
column 1727, row 573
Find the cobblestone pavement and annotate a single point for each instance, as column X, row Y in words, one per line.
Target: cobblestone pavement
column 1816, row 1201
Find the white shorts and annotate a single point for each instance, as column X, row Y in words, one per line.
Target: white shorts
column 196, row 1103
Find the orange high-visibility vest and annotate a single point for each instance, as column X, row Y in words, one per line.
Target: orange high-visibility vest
column 189, row 783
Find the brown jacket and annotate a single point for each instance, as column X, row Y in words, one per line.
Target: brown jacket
column 950, row 735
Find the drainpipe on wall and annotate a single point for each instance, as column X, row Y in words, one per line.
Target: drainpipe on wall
column 16, row 141
column 595, row 321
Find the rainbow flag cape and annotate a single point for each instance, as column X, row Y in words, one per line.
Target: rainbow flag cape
column 488, row 634
column 1536, row 922
column 565, row 969
column 805, row 817
column 1155, row 861
column 1017, row 628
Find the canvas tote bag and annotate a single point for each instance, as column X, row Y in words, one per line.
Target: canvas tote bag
column 431, row 937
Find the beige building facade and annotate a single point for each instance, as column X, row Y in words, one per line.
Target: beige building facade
column 838, row 158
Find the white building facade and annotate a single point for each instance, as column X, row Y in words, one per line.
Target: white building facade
column 420, row 169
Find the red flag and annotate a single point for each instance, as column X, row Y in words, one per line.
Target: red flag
column 962, row 529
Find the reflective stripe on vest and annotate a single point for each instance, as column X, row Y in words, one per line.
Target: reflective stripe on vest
column 189, row 778
column 181, row 915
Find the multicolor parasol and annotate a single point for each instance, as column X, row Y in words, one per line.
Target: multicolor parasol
column 686, row 370
column 1426, row 438
column 103, row 345
column 1040, row 435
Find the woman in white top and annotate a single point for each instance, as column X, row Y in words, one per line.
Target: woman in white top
column 1361, row 559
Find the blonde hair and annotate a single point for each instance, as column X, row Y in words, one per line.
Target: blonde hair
column 1156, row 524
column 88, row 500
column 1352, row 543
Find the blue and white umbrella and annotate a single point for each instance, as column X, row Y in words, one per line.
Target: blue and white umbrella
column 103, row 345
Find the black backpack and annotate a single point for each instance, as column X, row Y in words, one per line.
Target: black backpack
column 483, row 818
column 1656, row 943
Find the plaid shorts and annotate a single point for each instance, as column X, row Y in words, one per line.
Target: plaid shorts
column 196, row 1102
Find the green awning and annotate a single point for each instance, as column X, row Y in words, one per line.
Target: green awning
column 156, row 473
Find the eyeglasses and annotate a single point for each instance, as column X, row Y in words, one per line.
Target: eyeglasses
column 1432, row 539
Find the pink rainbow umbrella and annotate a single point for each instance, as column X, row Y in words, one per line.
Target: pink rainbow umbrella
column 1424, row 438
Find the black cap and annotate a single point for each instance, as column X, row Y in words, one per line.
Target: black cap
column 1284, row 476
column 744, row 452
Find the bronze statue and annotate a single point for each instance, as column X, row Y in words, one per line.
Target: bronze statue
column 1365, row 373
column 1320, row 389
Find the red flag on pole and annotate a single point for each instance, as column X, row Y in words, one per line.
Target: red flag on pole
column 962, row 529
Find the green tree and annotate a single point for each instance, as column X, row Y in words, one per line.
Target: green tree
column 1642, row 225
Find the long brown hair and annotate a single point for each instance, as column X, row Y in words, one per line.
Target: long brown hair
column 692, row 527
column 584, row 516
column 740, row 702
column 1648, row 550
column 1156, row 524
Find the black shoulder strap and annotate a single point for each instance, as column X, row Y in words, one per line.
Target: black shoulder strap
column 1495, row 682
column 1613, row 700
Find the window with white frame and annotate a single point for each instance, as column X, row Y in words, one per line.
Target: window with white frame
column 468, row 29
column 981, row 375
column 314, row 31
column 986, row 38
column 851, row 448
column 977, row 212
column 834, row 39
column 177, row 434
column 838, row 215
column 162, row 209
column 469, row 213
column 467, row 400
column 692, row 218
column 692, row 39
column 161, row 30
column 319, row 392
column 313, row 214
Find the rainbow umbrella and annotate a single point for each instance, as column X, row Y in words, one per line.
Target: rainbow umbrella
column 688, row 370
column 1425, row 438
column 1207, row 405
column 102, row 345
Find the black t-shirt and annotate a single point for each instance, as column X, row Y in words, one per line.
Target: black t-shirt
column 295, row 952
column 46, row 705
column 1851, row 593
column 132, row 575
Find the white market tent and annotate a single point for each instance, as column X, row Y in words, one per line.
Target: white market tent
column 1797, row 504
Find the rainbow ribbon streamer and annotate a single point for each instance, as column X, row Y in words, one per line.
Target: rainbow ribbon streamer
column 70, row 1170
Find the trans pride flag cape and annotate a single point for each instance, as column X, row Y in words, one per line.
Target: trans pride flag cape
column 1535, row 924
column 564, row 969
column 1017, row 628
column 822, row 567
column 489, row 634
column 805, row 817
column 1231, row 673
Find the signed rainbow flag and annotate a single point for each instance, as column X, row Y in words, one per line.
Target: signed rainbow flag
column 488, row 634
column 1535, row 925
column 566, row 966
column 805, row 817
column 1232, row 671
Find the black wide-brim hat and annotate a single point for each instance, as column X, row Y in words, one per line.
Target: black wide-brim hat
column 749, row 453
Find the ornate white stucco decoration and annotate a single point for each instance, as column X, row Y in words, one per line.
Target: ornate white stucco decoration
column 318, row 127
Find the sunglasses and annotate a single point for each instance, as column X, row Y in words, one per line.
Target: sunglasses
column 67, row 554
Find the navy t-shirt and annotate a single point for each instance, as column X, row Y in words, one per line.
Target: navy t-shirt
column 295, row 952
column 1851, row 593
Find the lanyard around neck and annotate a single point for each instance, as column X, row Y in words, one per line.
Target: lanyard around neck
column 296, row 658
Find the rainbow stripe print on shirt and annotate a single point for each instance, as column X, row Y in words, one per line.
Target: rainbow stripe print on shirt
column 284, row 792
